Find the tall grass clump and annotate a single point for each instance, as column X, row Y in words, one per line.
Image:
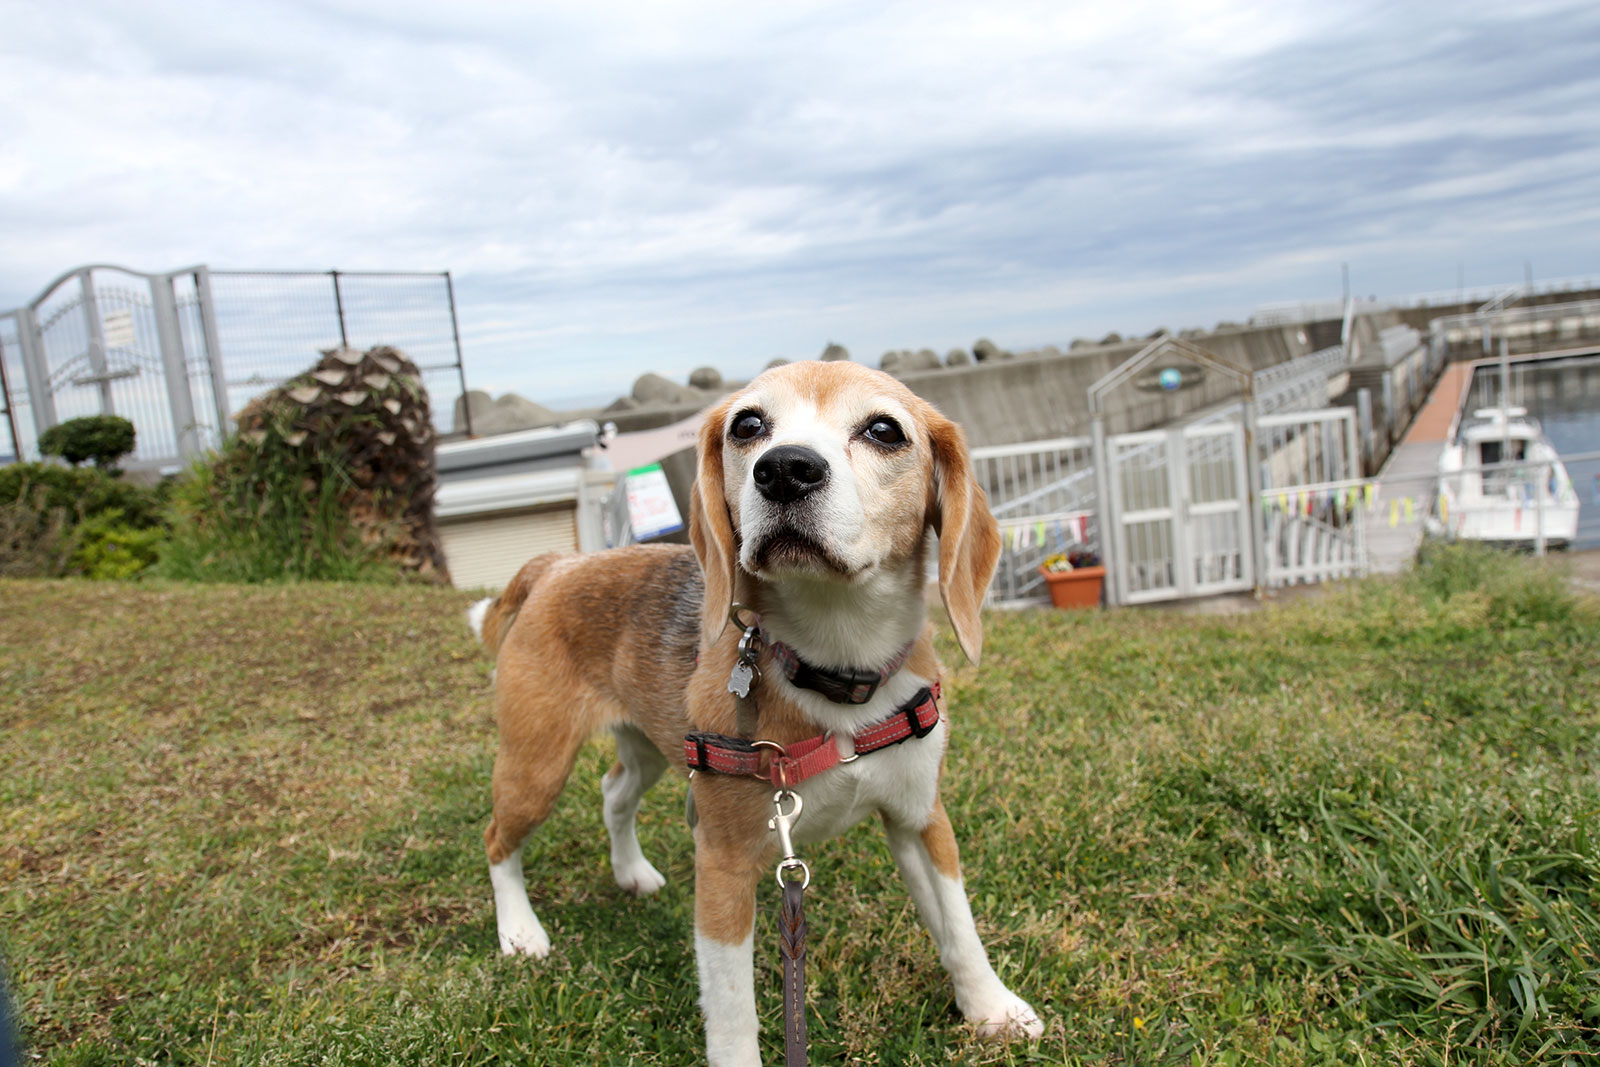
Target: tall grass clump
column 330, row 478
column 35, row 538
column 266, row 512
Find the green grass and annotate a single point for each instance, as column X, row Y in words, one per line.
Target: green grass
column 243, row 825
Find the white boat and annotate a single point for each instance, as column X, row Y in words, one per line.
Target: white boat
column 1502, row 481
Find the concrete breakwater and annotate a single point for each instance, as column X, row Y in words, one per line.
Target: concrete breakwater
column 1001, row 399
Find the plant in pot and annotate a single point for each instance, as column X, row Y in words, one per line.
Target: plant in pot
column 1074, row 578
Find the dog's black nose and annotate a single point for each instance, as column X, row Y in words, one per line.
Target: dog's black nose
column 789, row 472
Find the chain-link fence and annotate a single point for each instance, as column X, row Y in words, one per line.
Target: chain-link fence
column 272, row 324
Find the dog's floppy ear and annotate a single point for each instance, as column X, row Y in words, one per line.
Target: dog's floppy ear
column 969, row 538
column 711, row 528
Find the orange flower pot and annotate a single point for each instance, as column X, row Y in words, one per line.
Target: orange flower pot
column 1078, row 588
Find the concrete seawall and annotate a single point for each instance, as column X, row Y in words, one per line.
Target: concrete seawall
column 1012, row 401
column 1033, row 398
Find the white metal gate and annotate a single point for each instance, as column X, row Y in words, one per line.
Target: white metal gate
column 1313, row 506
column 1181, row 501
column 107, row 340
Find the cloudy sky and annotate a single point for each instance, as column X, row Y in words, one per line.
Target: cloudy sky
column 626, row 187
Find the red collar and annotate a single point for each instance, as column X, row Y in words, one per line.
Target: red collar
column 789, row 765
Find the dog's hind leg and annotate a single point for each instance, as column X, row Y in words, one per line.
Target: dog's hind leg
column 529, row 774
column 638, row 767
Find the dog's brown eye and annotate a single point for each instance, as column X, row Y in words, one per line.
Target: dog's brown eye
column 748, row 425
column 885, row 431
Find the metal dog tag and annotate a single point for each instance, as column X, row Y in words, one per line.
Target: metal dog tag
column 739, row 679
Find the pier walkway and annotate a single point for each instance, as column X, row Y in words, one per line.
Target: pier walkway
column 1411, row 473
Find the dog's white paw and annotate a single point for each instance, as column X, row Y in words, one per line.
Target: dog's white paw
column 1010, row 1018
column 640, row 878
column 524, row 939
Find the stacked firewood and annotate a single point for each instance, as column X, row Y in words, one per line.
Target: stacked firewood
column 362, row 419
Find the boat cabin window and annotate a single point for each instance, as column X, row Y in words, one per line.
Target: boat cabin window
column 1491, row 453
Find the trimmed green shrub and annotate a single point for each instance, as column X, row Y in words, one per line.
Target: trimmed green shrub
column 110, row 548
column 83, row 491
column 47, row 512
column 105, row 439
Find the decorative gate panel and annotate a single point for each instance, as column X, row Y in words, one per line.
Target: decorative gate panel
column 1216, row 509
column 1045, row 498
column 1181, row 501
column 1145, row 531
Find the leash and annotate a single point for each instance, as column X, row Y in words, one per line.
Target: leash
column 793, row 877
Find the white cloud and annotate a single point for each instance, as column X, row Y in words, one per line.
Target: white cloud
column 622, row 187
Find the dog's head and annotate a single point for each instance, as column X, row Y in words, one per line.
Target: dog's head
column 833, row 472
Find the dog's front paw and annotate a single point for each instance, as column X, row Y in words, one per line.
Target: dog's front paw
column 640, row 878
column 1010, row 1018
column 523, row 939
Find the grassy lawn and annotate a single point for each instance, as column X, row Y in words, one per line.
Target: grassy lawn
column 243, row 825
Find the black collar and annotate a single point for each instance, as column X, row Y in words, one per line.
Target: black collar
column 844, row 686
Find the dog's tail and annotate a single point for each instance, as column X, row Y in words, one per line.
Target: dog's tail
column 490, row 619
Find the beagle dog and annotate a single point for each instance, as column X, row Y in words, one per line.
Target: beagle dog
column 817, row 485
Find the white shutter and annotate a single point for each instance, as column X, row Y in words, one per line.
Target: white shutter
column 484, row 553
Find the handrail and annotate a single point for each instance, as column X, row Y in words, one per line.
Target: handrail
column 1499, row 300
column 1054, row 444
column 1292, row 311
column 1476, row 319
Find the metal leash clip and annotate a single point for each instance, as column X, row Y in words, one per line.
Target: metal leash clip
column 783, row 822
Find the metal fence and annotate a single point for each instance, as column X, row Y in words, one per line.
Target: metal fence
column 1046, row 499
column 179, row 352
column 273, row 324
column 1299, row 384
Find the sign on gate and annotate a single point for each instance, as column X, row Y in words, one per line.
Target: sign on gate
column 118, row 329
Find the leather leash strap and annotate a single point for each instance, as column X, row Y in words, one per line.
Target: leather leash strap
column 792, row 947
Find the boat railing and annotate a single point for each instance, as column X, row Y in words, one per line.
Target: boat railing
column 1517, row 479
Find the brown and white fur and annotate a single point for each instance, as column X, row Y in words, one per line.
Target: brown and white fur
column 637, row 641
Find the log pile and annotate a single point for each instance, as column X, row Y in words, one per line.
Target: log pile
column 363, row 419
